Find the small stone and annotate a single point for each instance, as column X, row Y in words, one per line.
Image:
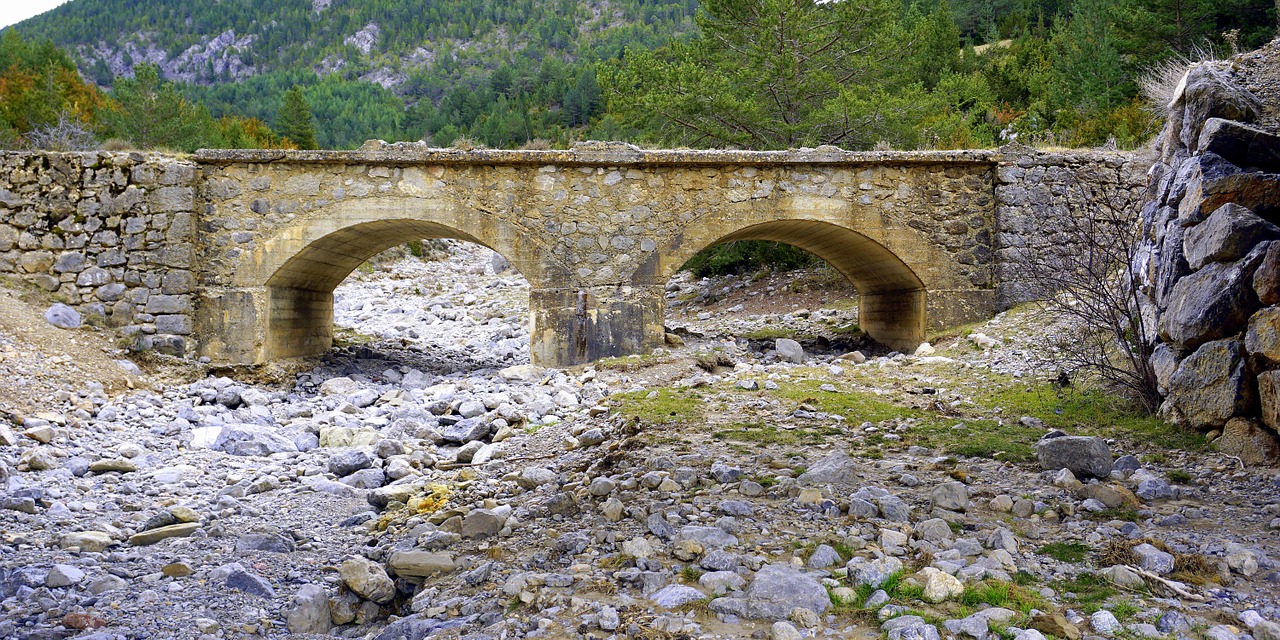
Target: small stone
column 1002, row 504
column 1153, row 559
column 951, row 496
column 939, row 585
column 675, row 595
column 783, row 630
column 62, row 316
column 251, row 584
column 482, row 523
column 63, row 575
column 875, row 572
column 153, row 536
column 1123, row 576
column 177, row 570
column 1055, row 624
column 1085, row 456
column 118, row 465
column 1104, row 622
column 789, row 350
column 933, row 530
column 420, row 564
column 310, row 611
column 367, row 579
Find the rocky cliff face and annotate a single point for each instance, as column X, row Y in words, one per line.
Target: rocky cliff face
column 1211, row 264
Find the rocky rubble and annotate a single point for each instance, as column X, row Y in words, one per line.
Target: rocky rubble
column 1210, row 260
column 431, row 483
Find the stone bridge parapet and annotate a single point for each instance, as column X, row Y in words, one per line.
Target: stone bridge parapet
column 235, row 254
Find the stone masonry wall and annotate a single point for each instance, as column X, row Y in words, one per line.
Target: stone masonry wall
column 1211, row 266
column 131, row 239
column 108, row 233
column 1037, row 193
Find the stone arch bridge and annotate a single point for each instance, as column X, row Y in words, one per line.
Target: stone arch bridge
column 234, row 255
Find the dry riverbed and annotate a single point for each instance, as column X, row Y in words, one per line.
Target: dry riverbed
column 423, row 480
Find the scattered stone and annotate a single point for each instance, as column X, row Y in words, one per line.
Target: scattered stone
column 62, row 316
column 367, row 579
column 1084, row 456
column 1153, row 559
column 182, row 530
column 310, row 611
column 939, row 586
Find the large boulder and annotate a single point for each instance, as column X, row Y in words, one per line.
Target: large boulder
column 1241, row 144
column 1266, row 279
column 1263, row 336
column 1245, row 439
column 1269, row 398
column 1212, row 303
column 252, row 440
column 1085, row 456
column 1208, row 92
column 837, row 468
column 1209, row 386
column 775, row 591
column 1227, row 235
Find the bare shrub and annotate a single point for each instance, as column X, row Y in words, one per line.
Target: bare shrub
column 537, row 144
column 1160, row 81
column 1085, row 273
column 69, row 133
column 467, row 143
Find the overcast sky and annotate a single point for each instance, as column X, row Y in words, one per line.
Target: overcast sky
column 12, row 11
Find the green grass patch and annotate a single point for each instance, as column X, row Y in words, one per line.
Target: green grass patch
column 1180, row 476
column 761, row 433
column 1088, row 590
column 1008, row 441
column 1088, row 411
column 1073, row 552
column 999, row 593
column 1119, row 513
column 667, row 406
column 855, row 406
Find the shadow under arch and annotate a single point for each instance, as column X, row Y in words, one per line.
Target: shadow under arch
column 892, row 295
column 300, row 290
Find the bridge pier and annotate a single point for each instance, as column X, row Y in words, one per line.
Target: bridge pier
column 577, row 326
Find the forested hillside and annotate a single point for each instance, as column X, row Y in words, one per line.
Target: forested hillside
column 752, row 74
column 503, row 72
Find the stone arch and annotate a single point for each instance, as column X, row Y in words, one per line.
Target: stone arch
column 892, row 293
column 298, row 267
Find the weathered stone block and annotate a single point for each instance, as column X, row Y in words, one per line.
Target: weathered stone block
column 1266, row 279
column 1227, row 235
column 1209, row 386
column 174, row 324
column 170, row 199
column 1263, row 336
column 1245, row 438
column 1241, row 144
column 1164, row 362
column 36, row 261
column 1207, row 92
column 1212, row 303
column 168, row 304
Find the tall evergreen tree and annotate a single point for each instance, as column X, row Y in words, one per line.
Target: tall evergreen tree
column 295, row 121
column 763, row 74
column 152, row 114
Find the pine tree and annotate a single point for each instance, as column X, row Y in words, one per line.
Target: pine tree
column 152, row 114
column 295, row 121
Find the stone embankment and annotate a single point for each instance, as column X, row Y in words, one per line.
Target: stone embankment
column 1210, row 265
column 110, row 234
